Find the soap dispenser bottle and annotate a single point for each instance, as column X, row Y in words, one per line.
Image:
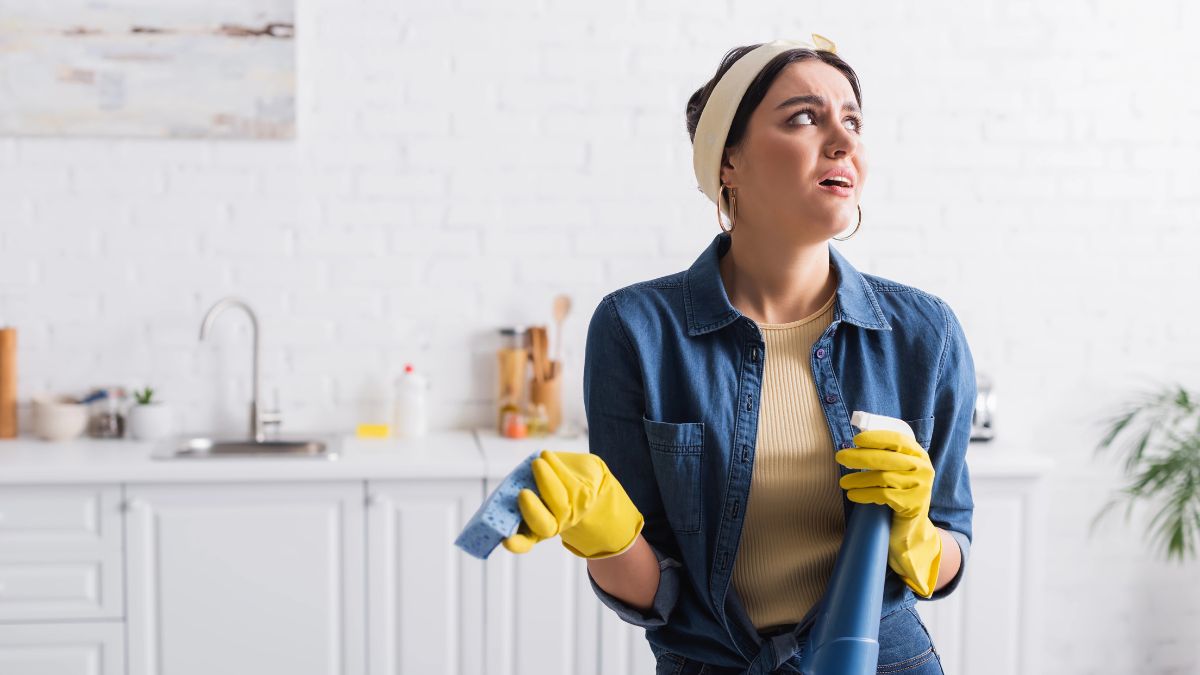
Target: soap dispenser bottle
column 412, row 409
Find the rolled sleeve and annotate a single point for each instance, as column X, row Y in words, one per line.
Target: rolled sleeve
column 664, row 598
column 952, row 505
column 614, row 403
column 964, row 545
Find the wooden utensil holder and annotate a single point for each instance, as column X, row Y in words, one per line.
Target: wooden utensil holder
column 549, row 393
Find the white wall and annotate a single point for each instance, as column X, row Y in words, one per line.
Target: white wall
column 458, row 164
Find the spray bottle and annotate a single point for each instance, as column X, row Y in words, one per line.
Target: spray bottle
column 845, row 637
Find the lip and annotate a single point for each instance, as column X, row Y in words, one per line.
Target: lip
column 843, row 171
column 837, row 190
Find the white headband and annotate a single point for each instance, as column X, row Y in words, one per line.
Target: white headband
column 708, row 146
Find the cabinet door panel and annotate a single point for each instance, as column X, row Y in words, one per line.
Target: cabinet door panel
column 85, row 648
column 246, row 578
column 542, row 616
column 60, row 552
column 426, row 596
column 987, row 625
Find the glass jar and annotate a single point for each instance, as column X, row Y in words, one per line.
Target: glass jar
column 512, row 361
column 106, row 419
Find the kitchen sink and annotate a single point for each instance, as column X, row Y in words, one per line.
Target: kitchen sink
column 209, row 447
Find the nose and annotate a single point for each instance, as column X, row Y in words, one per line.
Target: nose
column 842, row 143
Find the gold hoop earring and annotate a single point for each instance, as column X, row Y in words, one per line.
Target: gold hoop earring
column 732, row 208
column 855, row 227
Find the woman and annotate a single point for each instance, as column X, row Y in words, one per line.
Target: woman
column 714, row 500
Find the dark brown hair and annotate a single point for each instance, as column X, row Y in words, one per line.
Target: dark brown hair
column 759, row 86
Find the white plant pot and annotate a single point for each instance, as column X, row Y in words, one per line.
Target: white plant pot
column 151, row 421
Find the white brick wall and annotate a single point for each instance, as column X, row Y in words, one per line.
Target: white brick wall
column 460, row 163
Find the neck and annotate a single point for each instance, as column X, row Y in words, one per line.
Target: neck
column 772, row 281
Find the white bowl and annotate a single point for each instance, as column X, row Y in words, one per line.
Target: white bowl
column 57, row 418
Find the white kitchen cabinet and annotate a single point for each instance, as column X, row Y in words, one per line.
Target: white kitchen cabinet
column 542, row 616
column 625, row 650
column 130, row 566
column 84, row 648
column 60, row 552
column 246, row 578
column 990, row 623
column 425, row 606
column 61, row 594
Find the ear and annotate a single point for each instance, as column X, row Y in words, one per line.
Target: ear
column 728, row 173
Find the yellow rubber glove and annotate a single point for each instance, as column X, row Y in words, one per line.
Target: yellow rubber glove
column 901, row 476
column 582, row 502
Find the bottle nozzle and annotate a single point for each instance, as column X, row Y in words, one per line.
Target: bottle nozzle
column 871, row 422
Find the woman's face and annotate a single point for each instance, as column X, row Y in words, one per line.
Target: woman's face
column 806, row 125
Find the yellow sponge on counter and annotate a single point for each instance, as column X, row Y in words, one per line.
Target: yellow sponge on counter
column 373, row 431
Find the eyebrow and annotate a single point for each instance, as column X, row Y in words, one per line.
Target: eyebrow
column 816, row 100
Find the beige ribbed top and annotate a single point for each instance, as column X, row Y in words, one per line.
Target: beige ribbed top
column 794, row 522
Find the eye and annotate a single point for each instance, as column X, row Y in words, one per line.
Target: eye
column 810, row 114
column 805, row 112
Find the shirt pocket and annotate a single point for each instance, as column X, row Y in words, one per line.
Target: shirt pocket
column 923, row 430
column 676, row 449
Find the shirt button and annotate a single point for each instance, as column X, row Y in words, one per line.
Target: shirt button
column 846, row 444
column 754, row 355
column 831, row 399
column 820, row 353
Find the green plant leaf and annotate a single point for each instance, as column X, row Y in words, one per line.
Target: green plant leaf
column 1162, row 461
column 1100, row 516
column 1117, row 426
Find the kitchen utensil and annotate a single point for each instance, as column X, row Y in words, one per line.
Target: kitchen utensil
column 545, row 347
column 538, row 347
column 535, row 351
column 562, row 306
column 8, row 382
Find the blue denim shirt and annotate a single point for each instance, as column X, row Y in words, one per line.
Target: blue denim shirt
column 672, row 379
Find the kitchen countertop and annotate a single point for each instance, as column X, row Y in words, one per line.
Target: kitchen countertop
column 445, row 454
column 501, row 454
column 460, row 453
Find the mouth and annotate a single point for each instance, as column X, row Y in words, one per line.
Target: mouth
column 837, row 187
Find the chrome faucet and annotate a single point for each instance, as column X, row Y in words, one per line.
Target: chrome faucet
column 259, row 419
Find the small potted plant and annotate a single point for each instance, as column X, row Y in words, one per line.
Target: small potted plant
column 149, row 419
column 1162, row 463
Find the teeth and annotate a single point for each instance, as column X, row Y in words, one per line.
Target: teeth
column 841, row 179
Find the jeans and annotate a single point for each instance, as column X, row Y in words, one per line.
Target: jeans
column 905, row 646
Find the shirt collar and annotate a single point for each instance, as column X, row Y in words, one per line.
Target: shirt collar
column 708, row 306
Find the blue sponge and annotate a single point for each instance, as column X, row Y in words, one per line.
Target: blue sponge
column 499, row 516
